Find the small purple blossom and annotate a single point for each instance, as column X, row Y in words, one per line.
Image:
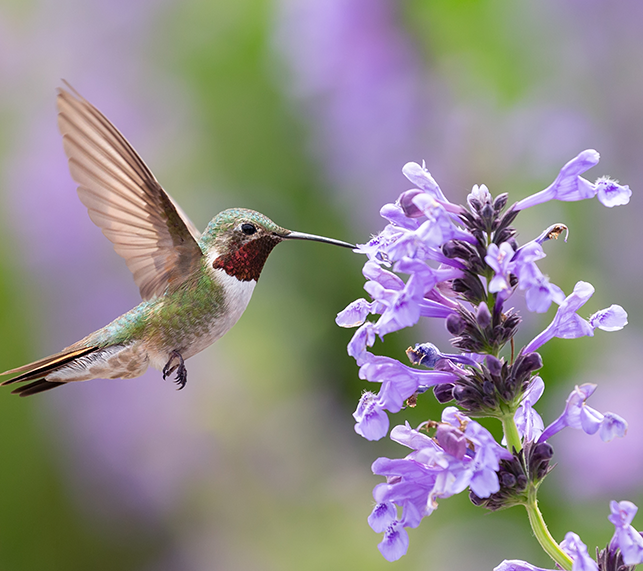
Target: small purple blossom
column 579, row 415
column 611, row 193
column 626, row 538
column 355, row 313
column 577, row 550
column 383, row 515
column 362, row 338
column 422, row 178
column 428, row 355
column 613, row 318
column 399, row 382
column 569, row 185
column 539, row 292
column 528, row 422
column 371, row 420
column 463, row 454
column 395, row 542
column 498, row 258
column 567, row 324
column 517, row 565
column 572, row 545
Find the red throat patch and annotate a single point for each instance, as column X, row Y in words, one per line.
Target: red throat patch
column 246, row 263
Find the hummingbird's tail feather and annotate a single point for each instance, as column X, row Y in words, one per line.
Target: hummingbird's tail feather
column 35, row 388
column 80, row 362
column 38, row 371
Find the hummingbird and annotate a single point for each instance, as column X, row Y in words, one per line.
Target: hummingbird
column 194, row 286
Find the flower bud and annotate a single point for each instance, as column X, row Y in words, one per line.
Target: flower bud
column 483, row 316
column 407, row 204
column 443, row 392
column 455, row 324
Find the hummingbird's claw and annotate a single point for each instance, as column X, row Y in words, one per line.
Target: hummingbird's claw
column 181, row 371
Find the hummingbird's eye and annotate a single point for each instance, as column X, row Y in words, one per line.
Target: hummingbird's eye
column 248, row 228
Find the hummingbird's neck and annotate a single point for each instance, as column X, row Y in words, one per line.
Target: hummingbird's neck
column 246, row 262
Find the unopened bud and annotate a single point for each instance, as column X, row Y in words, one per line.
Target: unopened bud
column 483, row 316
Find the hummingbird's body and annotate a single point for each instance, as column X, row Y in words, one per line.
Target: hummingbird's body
column 195, row 287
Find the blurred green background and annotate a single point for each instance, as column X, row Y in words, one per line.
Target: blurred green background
column 305, row 110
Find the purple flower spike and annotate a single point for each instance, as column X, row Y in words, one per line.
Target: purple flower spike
column 611, row 193
column 569, row 185
column 579, row 415
column 577, row 550
column 626, row 538
column 463, row 263
column 395, row 542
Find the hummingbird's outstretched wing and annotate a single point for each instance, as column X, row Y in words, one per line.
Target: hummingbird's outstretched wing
column 124, row 199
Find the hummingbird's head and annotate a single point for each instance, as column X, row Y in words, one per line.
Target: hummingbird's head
column 239, row 242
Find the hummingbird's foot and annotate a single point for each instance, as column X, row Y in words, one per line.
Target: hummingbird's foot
column 177, row 364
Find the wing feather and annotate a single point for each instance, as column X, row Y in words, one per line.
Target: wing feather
column 124, row 199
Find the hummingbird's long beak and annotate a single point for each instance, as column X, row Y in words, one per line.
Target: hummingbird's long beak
column 302, row 236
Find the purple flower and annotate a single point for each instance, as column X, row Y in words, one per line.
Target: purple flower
column 463, row 264
column 395, row 542
column 517, row 565
column 528, row 421
column 567, row 324
column 463, row 454
column 626, row 538
column 399, row 308
column 428, row 355
column 362, row 338
column 579, row 415
column 488, row 453
column 611, row 193
column 499, row 258
column 355, row 313
column 611, row 319
column 577, row 550
column 539, row 291
column 399, row 382
column 572, row 545
column 569, row 185
column 371, row 420
column 377, row 246
column 479, row 193
column 383, row 515
column 422, row 178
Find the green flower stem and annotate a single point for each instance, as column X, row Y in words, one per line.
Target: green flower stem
column 511, row 432
column 542, row 534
